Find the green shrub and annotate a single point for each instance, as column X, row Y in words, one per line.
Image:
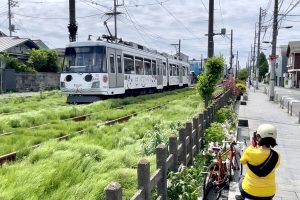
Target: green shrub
column 215, row 133
column 241, row 87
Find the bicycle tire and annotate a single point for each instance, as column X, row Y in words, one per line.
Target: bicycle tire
column 235, row 164
column 208, row 185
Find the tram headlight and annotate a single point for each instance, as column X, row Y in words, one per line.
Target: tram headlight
column 62, row 84
column 96, row 84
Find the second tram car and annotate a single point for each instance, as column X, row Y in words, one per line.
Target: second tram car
column 100, row 68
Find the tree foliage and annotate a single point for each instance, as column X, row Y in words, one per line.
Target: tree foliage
column 14, row 63
column 208, row 80
column 43, row 60
column 263, row 65
column 243, row 74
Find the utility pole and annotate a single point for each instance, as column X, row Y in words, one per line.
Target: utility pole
column 115, row 16
column 11, row 27
column 231, row 55
column 250, row 64
column 273, row 60
column 179, row 49
column 253, row 59
column 115, row 13
column 72, row 25
column 210, row 51
column 237, row 64
column 201, row 64
column 258, row 50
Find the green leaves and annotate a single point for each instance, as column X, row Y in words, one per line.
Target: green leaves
column 43, row 60
column 209, row 79
column 243, row 74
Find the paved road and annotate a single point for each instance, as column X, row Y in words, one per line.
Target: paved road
column 260, row 110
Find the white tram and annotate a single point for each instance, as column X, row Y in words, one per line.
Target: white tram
column 100, row 68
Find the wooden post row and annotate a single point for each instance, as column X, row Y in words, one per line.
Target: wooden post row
column 161, row 163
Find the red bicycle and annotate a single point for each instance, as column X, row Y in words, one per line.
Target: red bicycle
column 220, row 170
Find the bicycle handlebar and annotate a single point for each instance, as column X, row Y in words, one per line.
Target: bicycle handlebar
column 233, row 142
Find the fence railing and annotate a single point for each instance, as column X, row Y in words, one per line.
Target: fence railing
column 180, row 153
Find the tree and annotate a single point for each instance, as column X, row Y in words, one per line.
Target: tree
column 263, row 66
column 243, row 74
column 209, row 79
column 14, row 63
column 43, row 60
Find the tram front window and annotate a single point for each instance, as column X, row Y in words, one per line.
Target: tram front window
column 85, row 59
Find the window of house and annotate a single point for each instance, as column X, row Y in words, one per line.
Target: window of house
column 147, row 64
column 128, row 64
column 139, row 68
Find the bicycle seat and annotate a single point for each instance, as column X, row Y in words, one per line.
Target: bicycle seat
column 216, row 148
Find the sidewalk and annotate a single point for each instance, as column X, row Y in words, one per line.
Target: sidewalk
column 260, row 110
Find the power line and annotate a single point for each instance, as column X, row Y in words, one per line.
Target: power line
column 55, row 18
column 149, row 4
column 134, row 24
column 171, row 14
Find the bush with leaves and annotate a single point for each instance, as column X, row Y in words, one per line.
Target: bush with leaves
column 241, row 87
column 226, row 115
column 14, row 63
column 243, row 74
column 186, row 184
column 209, row 79
column 43, row 60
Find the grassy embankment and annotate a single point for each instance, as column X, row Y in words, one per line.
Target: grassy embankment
column 81, row 167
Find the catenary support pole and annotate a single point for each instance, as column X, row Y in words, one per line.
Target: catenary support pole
column 258, row 50
column 210, row 51
column 274, row 40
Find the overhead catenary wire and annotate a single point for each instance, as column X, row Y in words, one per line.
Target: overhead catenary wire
column 178, row 21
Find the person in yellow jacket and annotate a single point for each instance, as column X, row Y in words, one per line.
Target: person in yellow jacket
column 261, row 160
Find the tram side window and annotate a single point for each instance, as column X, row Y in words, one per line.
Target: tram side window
column 139, row 69
column 112, row 63
column 147, row 64
column 170, row 68
column 177, row 67
column 183, row 70
column 154, row 67
column 128, row 64
column 119, row 62
column 164, row 69
column 174, row 70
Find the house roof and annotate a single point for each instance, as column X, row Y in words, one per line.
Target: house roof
column 41, row 44
column 9, row 42
column 292, row 47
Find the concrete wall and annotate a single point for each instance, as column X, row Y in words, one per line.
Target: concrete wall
column 22, row 82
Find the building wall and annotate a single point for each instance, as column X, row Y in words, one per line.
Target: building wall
column 21, row 49
column 24, row 82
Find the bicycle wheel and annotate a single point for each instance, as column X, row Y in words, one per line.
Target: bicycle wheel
column 208, row 184
column 235, row 164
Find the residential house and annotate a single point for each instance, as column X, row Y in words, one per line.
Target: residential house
column 17, row 47
column 293, row 54
column 281, row 65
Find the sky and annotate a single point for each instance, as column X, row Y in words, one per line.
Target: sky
column 157, row 23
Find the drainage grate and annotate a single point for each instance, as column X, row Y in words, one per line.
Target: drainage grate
column 243, row 123
column 243, row 103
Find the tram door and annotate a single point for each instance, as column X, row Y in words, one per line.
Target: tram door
column 160, row 72
column 115, row 68
column 180, row 73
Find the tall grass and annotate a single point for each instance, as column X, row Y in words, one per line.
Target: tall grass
column 81, row 167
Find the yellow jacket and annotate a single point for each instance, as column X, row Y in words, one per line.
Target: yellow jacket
column 255, row 185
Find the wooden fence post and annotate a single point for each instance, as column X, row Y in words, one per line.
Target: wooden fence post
column 144, row 178
column 189, row 130
column 161, row 157
column 201, row 134
column 173, row 147
column 205, row 118
column 196, row 128
column 113, row 192
column 182, row 138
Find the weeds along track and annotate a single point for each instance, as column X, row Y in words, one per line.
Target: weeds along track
column 85, row 164
column 23, row 137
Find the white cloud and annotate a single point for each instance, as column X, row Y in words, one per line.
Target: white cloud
column 157, row 28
